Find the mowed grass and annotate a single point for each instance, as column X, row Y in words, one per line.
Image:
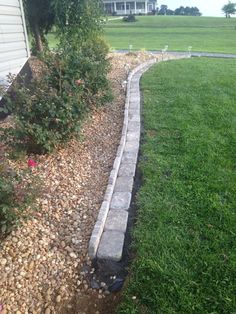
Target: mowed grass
column 206, row 34
column 185, row 235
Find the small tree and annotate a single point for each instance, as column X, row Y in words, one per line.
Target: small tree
column 229, row 9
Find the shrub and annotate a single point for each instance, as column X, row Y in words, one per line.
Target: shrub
column 130, row 18
column 15, row 194
column 49, row 109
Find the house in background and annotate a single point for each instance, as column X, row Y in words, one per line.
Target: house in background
column 14, row 48
column 117, row 7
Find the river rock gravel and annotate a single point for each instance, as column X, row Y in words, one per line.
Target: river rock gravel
column 42, row 260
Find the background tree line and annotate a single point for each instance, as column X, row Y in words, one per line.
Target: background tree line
column 189, row 11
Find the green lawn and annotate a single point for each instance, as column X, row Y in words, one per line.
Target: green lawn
column 185, row 236
column 207, row 34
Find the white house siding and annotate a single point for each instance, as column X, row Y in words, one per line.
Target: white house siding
column 14, row 49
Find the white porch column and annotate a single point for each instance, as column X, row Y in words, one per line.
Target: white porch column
column 135, row 7
column 146, row 8
column 125, row 7
column 114, row 6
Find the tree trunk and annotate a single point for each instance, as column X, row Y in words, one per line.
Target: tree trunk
column 37, row 37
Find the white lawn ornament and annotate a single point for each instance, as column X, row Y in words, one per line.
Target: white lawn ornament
column 189, row 50
column 127, row 68
column 163, row 51
column 124, row 85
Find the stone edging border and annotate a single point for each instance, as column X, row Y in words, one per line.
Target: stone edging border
column 129, row 144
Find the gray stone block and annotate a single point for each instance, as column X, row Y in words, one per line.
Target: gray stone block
column 134, row 112
column 134, row 90
column 134, row 85
column 124, row 129
column 124, row 184
column 129, row 158
column 132, row 146
column 116, row 163
column 134, row 93
column 126, row 113
column 127, row 170
column 134, row 118
column 134, row 97
column 133, row 136
column 134, row 104
column 117, row 220
column 111, row 246
column 112, row 177
column 95, row 238
column 103, row 211
column 108, row 193
column 134, row 127
column 120, row 200
column 120, row 150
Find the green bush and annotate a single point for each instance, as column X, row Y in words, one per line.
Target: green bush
column 130, row 18
column 49, row 110
column 46, row 111
column 15, row 194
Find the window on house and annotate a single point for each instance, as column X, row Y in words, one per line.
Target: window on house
column 140, row 5
column 120, row 6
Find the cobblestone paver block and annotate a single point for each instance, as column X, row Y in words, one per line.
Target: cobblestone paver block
column 130, row 158
column 124, row 184
column 132, row 146
column 120, row 200
column 133, row 136
column 111, row 246
column 127, row 170
column 117, row 220
column 134, row 126
column 134, row 117
column 134, row 104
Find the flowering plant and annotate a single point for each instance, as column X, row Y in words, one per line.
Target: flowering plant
column 31, row 163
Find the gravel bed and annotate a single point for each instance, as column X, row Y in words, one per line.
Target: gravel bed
column 41, row 261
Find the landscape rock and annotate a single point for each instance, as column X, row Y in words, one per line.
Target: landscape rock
column 47, row 251
column 116, row 285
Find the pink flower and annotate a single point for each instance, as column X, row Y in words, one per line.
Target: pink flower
column 32, row 163
column 79, row 82
column 1, row 308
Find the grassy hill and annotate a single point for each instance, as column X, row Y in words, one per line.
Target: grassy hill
column 154, row 32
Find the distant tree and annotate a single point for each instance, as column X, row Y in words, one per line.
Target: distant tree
column 179, row 11
column 40, row 17
column 195, row 11
column 163, row 9
column 190, row 11
column 170, row 12
column 187, row 11
column 229, row 9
